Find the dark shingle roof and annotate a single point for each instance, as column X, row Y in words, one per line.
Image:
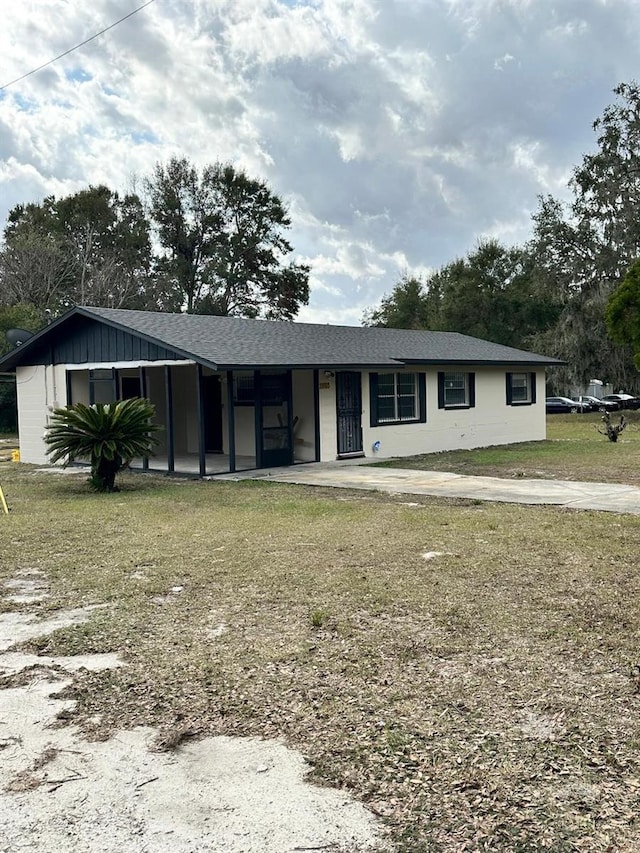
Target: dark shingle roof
column 231, row 342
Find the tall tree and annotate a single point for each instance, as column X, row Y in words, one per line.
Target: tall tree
column 623, row 312
column 404, row 308
column 13, row 317
column 35, row 268
column 223, row 236
column 108, row 238
column 89, row 248
column 494, row 293
column 20, row 316
column 585, row 249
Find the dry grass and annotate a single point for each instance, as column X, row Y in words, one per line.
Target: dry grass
column 485, row 699
column 574, row 450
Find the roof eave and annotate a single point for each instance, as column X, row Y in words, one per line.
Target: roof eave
column 12, row 359
column 149, row 338
column 487, row 362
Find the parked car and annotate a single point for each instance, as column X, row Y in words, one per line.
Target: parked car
column 561, row 404
column 596, row 404
column 625, row 401
column 585, row 403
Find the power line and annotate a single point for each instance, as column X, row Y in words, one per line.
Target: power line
column 75, row 47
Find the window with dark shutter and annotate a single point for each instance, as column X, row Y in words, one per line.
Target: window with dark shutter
column 521, row 389
column 456, row 390
column 397, row 398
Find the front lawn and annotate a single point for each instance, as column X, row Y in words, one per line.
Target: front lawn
column 574, row 450
column 468, row 670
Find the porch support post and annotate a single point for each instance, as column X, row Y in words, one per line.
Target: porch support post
column 231, row 423
column 292, row 441
column 168, row 394
column 142, row 376
column 67, row 380
column 316, row 412
column 257, row 415
column 114, row 383
column 202, row 456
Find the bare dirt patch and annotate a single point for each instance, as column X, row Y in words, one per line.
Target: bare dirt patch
column 221, row 794
column 29, row 586
column 64, row 793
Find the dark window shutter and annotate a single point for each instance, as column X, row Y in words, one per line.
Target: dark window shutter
column 422, row 397
column 440, row 390
column 373, row 398
column 472, row 390
column 533, row 387
column 509, row 390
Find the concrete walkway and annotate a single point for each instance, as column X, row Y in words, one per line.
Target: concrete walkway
column 609, row 497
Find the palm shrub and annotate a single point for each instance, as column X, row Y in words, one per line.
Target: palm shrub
column 110, row 435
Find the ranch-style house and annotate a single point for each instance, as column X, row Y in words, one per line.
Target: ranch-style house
column 234, row 394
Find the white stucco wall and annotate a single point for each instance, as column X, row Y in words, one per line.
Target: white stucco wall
column 245, row 430
column 156, row 394
column 80, row 386
column 304, row 431
column 490, row 422
column 39, row 388
column 184, row 392
column 327, row 418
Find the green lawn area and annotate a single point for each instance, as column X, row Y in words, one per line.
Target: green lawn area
column 574, row 450
column 483, row 699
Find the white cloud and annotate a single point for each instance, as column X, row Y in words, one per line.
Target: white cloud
column 384, row 125
column 501, row 62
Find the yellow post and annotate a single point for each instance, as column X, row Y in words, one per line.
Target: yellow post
column 3, row 502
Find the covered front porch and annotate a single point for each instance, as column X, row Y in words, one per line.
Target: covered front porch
column 215, row 463
column 213, row 422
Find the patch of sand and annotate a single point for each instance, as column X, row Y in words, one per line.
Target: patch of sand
column 62, row 794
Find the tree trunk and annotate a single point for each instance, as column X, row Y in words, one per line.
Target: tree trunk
column 103, row 474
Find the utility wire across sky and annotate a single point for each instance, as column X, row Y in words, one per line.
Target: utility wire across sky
column 75, row 47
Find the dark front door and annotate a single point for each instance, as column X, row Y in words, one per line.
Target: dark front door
column 274, row 442
column 212, row 414
column 349, row 410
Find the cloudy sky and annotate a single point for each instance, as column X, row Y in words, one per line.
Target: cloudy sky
column 399, row 132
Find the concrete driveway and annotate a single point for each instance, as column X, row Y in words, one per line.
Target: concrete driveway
column 609, row 497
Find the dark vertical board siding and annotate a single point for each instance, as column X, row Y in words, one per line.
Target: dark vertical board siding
column 89, row 341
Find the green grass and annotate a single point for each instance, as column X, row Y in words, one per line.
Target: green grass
column 482, row 700
column 574, row 450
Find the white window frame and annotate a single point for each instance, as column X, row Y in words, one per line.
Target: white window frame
column 462, row 385
column 518, row 386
